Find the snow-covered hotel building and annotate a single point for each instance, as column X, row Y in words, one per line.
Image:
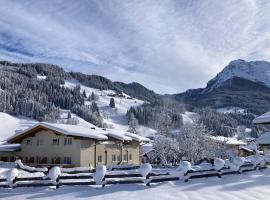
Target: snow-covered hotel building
column 61, row 144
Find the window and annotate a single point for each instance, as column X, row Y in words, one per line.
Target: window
column 28, row 142
column 99, row 159
column 40, row 142
column 113, row 158
column 67, row 160
column 130, row 156
column 55, row 141
column 118, row 158
column 125, row 157
column 38, row 160
column 12, row 158
column 68, row 141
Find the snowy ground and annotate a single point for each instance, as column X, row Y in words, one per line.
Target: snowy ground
column 248, row 186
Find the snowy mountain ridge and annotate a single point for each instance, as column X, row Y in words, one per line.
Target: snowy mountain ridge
column 256, row 71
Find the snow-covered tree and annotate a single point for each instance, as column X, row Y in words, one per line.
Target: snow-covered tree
column 72, row 121
column 165, row 124
column 93, row 97
column 166, row 150
column 69, row 115
column 195, row 143
column 132, row 123
column 112, row 103
column 94, row 108
column 84, row 94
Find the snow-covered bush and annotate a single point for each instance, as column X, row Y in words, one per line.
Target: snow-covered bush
column 54, row 173
column 99, row 174
column 11, row 175
column 145, row 169
column 218, row 164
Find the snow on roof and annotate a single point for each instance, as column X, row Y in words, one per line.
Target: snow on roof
column 87, row 132
column 67, row 130
column 263, row 119
column 137, row 137
column 117, row 135
column 146, row 148
column 264, row 138
column 9, row 147
column 229, row 140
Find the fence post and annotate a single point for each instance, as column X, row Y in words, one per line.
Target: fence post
column 149, row 181
column 219, row 173
column 13, row 183
column 103, row 182
column 57, row 182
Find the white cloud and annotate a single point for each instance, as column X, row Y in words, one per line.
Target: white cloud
column 168, row 46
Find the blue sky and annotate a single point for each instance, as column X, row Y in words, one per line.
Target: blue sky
column 168, row 46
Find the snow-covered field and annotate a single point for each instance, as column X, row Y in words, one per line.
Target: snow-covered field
column 248, row 186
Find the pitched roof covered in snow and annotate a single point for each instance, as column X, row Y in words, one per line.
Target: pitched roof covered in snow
column 264, row 139
column 229, row 140
column 80, row 131
column 9, row 147
column 263, row 119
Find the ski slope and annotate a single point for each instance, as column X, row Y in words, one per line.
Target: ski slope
column 114, row 117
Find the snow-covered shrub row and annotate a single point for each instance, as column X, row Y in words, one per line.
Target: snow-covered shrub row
column 30, row 169
column 99, row 174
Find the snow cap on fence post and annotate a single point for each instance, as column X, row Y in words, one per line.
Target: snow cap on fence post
column 54, row 173
column 12, row 174
column 237, row 163
column 218, row 164
column 145, row 169
column 183, row 168
column 99, row 175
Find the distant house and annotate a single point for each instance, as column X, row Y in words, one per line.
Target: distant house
column 232, row 144
column 70, row 145
column 264, row 140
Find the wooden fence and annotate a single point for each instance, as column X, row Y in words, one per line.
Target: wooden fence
column 130, row 176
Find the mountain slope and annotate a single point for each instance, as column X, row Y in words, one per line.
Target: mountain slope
column 241, row 84
column 255, row 71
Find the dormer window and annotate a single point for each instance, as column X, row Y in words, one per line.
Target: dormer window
column 55, row 141
column 28, row 142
